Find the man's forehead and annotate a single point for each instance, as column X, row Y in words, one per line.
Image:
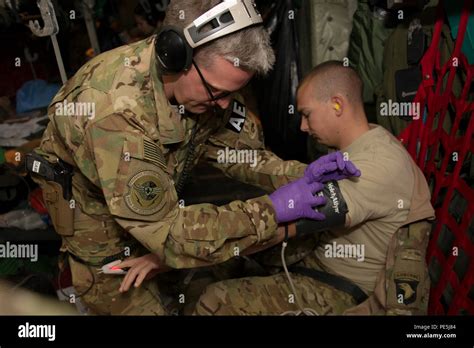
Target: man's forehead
column 224, row 75
column 309, row 83
column 304, row 91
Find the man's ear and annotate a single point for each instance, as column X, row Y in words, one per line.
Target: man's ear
column 338, row 104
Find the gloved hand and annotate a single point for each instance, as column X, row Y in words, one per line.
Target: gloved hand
column 296, row 200
column 335, row 211
column 331, row 167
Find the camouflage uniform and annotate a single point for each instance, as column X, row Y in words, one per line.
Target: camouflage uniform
column 126, row 161
column 271, row 296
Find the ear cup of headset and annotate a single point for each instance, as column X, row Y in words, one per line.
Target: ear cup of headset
column 173, row 51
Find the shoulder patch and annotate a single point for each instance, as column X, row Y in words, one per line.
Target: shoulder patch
column 152, row 153
column 237, row 117
column 145, row 193
column 406, row 285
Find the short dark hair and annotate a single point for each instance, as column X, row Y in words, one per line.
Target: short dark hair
column 333, row 77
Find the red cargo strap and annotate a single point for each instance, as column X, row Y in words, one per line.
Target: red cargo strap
column 433, row 149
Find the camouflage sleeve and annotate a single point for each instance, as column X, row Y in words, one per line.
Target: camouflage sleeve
column 205, row 234
column 141, row 197
column 238, row 150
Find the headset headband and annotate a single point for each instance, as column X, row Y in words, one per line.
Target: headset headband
column 227, row 17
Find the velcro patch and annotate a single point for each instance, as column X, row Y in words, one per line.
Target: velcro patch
column 407, row 286
column 152, row 153
column 237, row 117
column 145, row 193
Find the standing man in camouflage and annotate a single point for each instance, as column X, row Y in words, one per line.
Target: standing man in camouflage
column 113, row 127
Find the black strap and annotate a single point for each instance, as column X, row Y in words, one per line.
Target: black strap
column 119, row 256
column 188, row 161
column 84, row 262
column 286, row 233
column 333, row 280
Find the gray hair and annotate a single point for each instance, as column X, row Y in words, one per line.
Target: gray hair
column 250, row 47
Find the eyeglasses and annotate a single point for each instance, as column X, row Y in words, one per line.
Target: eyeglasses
column 213, row 97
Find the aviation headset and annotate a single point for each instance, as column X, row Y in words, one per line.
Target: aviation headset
column 174, row 47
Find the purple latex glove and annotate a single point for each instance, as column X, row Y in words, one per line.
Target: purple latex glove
column 296, row 201
column 331, row 167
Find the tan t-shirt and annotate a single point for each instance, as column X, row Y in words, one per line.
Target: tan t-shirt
column 378, row 203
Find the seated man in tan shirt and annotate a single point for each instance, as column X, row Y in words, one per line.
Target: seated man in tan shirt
column 389, row 193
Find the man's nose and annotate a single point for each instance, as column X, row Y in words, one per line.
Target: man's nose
column 304, row 125
column 223, row 103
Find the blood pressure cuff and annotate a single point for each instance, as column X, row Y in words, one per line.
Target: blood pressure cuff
column 335, row 211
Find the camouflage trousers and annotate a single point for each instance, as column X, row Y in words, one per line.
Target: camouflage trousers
column 166, row 294
column 102, row 296
column 271, row 295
